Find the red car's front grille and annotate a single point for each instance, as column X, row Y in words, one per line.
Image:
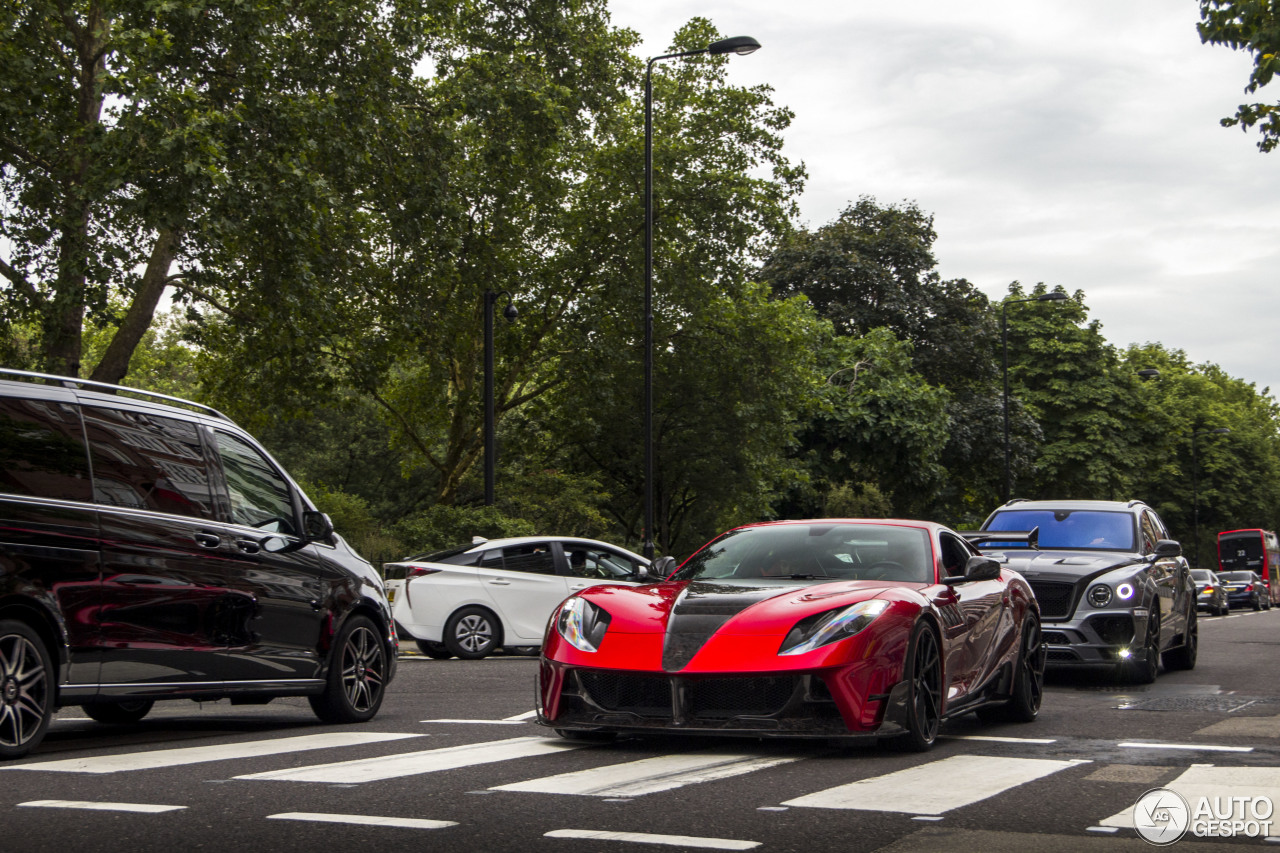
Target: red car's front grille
column 646, row 695
column 707, row 698
column 732, row 697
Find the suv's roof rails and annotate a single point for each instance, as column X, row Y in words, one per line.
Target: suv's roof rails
column 1136, row 502
column 73, row 383
column 1016, row 501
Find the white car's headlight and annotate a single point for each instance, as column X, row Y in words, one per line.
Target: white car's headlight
column 813, row 632
column 582, row 624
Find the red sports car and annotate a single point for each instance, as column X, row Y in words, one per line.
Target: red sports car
column 829, row 628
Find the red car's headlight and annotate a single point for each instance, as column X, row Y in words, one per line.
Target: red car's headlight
column 813, row 632
column 582, row 624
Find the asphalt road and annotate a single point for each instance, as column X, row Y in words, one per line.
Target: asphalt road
column 452, row 763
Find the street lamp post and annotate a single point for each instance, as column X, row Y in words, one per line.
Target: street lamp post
column 1055, row 296
column 490, row 442
column 1195, row 488
column 741, row 45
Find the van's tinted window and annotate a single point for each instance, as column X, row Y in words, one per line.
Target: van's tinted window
column 259, row 495
column 148, row 462
column 43, row 450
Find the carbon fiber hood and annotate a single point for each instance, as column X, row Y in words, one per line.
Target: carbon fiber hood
column 704, row 606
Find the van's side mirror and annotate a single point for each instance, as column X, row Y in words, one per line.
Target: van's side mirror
column 316, row 526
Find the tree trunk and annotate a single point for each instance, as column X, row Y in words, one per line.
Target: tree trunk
column 115, row 362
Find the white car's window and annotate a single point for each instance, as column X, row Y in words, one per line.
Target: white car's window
column 587, row 562
column 535, row 558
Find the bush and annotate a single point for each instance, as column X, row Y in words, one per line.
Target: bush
column 443, row 527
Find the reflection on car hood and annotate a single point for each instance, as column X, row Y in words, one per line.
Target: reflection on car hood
column 1064, row 565
column 690, row 613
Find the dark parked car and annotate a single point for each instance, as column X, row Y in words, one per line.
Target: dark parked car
column 1211, row 592
column 1245, row 589
column 1113, row 587
column 150, row 549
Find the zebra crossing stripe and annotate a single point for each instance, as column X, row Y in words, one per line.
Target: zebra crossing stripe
column 646, row 776
column 364, row 820
column 415, row 763
column 197, row 754
column 650, row 838
column 1209, row 782
column 139, row 808
column 935, row 787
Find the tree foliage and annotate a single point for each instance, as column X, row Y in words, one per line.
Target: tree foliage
column 1253, row 26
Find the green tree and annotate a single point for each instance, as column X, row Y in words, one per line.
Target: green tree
column 1253, row 26
column 1234, row 478
column 1071, row 382
column 873, row 267
column 139, row 136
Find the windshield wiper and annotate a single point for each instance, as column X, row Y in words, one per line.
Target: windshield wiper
column 808, row 577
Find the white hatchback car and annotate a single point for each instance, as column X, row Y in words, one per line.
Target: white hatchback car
column 468, row 601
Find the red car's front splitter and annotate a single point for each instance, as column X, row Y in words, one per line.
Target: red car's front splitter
column 859, row 699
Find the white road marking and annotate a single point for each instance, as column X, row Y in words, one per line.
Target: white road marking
column 415, row 763
column 365, row 820
column 478, row 722
column 1205, row 780
column 646, row 776
column 1194, row 746
column 935, row 787
column 648, row 838
column 198, row 754
column 527, row 715
column 997, row 739
column 142, row 808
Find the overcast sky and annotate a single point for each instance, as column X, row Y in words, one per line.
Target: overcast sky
column 1074, row 142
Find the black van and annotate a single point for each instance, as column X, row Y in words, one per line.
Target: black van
column 153, row 550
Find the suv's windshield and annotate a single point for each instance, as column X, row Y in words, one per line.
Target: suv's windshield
column 1071, row 529
column 816, row 552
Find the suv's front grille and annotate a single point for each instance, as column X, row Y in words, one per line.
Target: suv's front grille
column 1116, row 630
column 1055, row 598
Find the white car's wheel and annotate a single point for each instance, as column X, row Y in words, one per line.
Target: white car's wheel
column 472, row 633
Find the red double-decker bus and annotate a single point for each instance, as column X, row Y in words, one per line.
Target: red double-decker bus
column 1252, row 550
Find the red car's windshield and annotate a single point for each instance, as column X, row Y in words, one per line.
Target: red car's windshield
column 817, row 551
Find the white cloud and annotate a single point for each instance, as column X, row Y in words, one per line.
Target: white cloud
column 1073, row 142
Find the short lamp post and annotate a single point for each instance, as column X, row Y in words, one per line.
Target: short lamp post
column 740, row 45
column 1055, row 296
column 1195, row 489
column 490, row 442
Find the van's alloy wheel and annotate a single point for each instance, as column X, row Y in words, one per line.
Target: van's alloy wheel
column 357, row 675
column 26, row 689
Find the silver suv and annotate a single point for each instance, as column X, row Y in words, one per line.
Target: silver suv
column 1113, row 587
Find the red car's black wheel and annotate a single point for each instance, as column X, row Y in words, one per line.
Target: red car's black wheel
column 924, row 690
column 1028, row 678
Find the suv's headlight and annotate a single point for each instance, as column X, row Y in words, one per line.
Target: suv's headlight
column 821, row 629
column 1100, row 594
column 582, row 624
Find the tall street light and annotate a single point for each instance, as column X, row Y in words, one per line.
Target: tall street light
column 490, row 443
column 741, row 45
column 1195, row 489
column 1055, row 296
